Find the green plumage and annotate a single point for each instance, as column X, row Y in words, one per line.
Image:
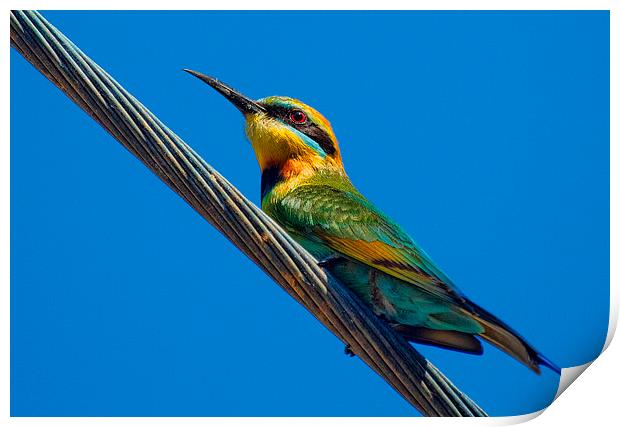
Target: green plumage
column 327, row 208
column 378, row 261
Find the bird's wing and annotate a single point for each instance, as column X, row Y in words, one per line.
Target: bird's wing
column 346, row 222
column 349, row 224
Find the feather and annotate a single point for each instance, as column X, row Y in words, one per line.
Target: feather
column 451, row 340
column 418, row 295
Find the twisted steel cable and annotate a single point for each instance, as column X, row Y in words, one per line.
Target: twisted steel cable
column 244, row 224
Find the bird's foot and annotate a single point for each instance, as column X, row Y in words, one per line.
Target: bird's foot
column 383, row 317
column 348, row 351
column 330, row 261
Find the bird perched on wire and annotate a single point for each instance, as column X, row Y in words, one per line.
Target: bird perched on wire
column 305, row 189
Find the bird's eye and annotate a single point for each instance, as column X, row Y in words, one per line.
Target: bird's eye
column 298, row 116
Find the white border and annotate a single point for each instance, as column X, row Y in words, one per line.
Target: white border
column 591, row 401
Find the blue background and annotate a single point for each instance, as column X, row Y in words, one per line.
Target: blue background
column 486, row 135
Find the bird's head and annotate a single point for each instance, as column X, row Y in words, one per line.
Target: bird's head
column 285, row 133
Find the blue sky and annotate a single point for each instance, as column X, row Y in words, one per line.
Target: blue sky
column 486, row 135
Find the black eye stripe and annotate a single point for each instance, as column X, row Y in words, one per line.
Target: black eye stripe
column 308, row 128
column 278, row 111
column 321, row 138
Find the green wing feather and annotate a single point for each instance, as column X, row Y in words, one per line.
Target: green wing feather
column 338, row 217
column 343, row 220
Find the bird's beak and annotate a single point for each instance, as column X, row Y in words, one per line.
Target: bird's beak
column 242, row 102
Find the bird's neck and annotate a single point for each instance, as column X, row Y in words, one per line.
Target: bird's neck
column 279, row 179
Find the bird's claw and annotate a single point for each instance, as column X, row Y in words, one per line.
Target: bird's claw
column 348, row 351
column 329, row 261
column 383, row 317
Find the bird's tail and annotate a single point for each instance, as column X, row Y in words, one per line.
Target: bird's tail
column 505, row 338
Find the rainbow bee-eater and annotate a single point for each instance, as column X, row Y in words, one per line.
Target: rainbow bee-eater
column 306, row 190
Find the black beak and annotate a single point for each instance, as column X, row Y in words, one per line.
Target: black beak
column 242, row 102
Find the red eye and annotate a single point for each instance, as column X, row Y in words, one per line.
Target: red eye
column 298, row 116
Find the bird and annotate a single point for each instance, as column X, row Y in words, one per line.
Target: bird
column 305, row 189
